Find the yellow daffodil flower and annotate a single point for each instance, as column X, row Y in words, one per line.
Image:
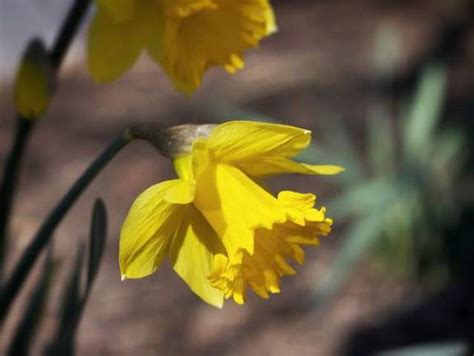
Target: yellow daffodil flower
column 221, row 229
column 186, row 37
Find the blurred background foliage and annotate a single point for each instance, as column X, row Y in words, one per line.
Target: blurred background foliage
column 73, row 300
column 407, row 193
column 387, row 88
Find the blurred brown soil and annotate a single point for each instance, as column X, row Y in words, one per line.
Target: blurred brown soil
column 304, row 75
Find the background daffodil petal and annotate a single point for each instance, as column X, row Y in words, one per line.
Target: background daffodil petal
column 113, row 46
column 192, row 252
column 150, row 224
column 241, row 141
column 272, row 166
column 211, row 33
column 185, row 8
column 120, row 10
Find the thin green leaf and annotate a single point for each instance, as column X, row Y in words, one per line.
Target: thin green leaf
column 74, row 301
column 447, row 150
column 447, row 348
column 424, row 111
column 28, row 325
column 381, row 142
column 357, row 243
column 97, row 242
column 63, row 341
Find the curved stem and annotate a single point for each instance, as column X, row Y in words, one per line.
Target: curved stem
column 44, row 234
column 68, row 31
column 24, row 125
column 8, row 183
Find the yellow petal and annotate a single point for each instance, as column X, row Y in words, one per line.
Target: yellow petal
column 191, row 253
column 113, row 46
column 202, row 34
column 180, row 9
column 180, row 193
column 120, row 10
column 326, row 169
column 272, row 166
column 150, row 224
column 263, row 269
column 244, row 141
column 183, row 167
column 233, row 204
column 300, row 207
column 296, row 200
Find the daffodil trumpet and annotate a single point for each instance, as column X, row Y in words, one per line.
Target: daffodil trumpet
column 222, row 230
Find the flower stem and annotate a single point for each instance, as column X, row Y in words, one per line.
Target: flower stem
column 44, row 234
column 24, row 125
column 10, row 175
column 67, row 32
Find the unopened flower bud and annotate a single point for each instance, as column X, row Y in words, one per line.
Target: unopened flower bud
column 34, row 82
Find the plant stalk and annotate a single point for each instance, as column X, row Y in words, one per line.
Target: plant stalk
column 44, row 234
column 10, row 177
column 11, row 172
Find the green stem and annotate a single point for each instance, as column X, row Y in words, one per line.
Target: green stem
column 68, row 31
column 44, row 234
column 10, row 175
column 12, row 167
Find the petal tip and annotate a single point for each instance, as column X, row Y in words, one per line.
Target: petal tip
column 219, row 305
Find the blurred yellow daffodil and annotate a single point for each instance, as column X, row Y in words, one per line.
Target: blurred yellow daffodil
column 186, row 37
column 221, row 229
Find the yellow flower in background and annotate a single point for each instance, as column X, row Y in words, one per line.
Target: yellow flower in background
column 186, row 37
column 223, row 231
